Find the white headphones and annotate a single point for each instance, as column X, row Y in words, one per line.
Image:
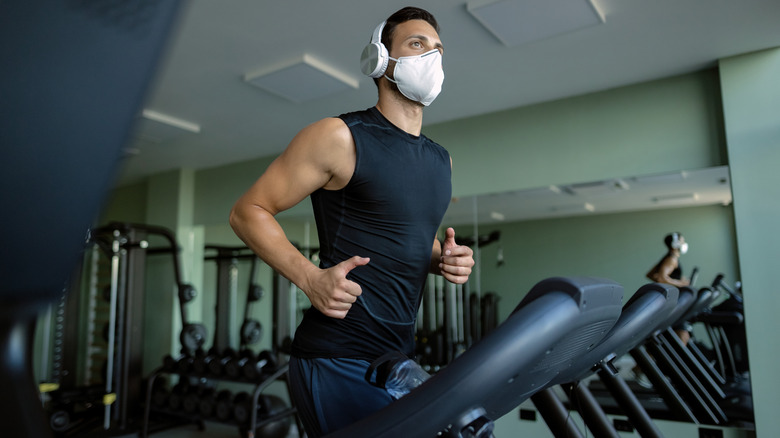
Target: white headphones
column 676, row 240
column 374, row 59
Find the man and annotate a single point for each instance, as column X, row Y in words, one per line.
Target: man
column 379, row 191
column 668, row 270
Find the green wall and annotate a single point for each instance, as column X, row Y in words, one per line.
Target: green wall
column 654, row 127
column 751, row 103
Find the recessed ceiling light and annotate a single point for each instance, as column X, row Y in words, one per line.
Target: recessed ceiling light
column 302, row 79
column 574, row 208
column 156, row 127
column 683, row 198
column 516, row 22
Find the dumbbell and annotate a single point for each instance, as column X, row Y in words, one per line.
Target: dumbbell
column 176, row 397
column 191, row 400
column 207, row 403
column 60, row 420
column 184, row 365
column 216, row 366
column 264, row 363
column 200, row 365
column 234, row 366
column 223, row 407
column 242, row 407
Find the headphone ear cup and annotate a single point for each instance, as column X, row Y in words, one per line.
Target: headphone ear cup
column 676, row 241
column 374, row 60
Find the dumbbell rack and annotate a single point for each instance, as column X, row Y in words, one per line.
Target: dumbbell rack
column 279, row 374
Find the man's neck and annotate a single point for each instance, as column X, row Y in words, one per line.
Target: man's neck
column 401, row 112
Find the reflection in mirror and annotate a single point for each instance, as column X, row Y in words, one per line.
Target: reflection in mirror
column 615, row 229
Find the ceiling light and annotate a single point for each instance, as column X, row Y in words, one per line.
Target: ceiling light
column 574, row 208
column 156, row 127
column 516, row 22
column 302, row 79
column 681, row 199
column 596, row 187
column 497, row 216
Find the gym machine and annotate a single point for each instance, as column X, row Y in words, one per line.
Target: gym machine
column 558, row 321
column 686, row 386
column 644, row 311
column 99, row 336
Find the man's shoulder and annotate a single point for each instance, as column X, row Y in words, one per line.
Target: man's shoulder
column 325, row 139
column 360, row 115
column 329, row 129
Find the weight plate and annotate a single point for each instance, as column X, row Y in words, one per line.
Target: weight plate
column 193, row 336
column 256, row 292
column 251, row 331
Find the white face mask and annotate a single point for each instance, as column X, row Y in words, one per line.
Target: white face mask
column 419, row 77
column 684, row 248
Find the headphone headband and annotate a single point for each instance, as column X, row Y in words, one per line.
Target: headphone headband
column 377, row 35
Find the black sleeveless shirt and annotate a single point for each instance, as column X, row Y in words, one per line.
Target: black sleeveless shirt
column 389, row 211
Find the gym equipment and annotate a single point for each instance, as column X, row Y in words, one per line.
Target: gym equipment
column 725, row 327
column 191, row 401
column 226, row 259
column 105, row 337
column 224, row 405
column 274, row 421
column 176, row 398
column 200, row 366
column 242, row 406
column 217, row 366
column 251, row 329
column 559, row 320
column 234, row 366
column 263, row 364
column 712, row 398
column 641, row 315
column 208, row 403
column 198, row 397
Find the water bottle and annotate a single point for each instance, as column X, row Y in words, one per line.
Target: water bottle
column 404, row 376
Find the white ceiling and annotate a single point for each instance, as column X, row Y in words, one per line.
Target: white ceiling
column 217, row 42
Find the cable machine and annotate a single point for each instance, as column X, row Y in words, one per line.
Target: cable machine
column 99, row 332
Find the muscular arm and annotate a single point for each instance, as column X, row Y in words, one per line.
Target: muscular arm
column 321, row 156
column 662, row 273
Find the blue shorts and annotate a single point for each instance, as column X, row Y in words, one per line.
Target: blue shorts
column 333, row 393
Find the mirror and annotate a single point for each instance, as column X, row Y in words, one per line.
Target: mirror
column 614, row 229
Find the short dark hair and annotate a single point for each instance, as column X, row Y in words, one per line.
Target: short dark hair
column 672, row 237
column 401, row 16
